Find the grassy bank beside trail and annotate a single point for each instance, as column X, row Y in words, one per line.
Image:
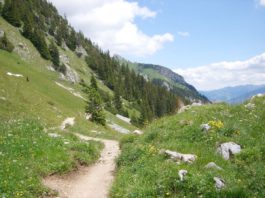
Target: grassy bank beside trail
column 144, row 172
column 27, row 154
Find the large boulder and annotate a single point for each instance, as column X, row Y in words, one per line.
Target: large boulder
column 227, row 149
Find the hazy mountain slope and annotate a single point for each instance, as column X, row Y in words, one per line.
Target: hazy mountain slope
column 165, row 77
column 235, row 94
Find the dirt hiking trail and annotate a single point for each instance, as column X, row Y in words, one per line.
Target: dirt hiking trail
column 88, row 182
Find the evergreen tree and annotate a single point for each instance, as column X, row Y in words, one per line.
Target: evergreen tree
column 117, row 100
column 5, row 44
column 54, row 55
column 11, row 12
column 95, row 107
column 93, row 83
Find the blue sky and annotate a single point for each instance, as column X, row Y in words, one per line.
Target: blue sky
column 219, row 30
column 212, row 43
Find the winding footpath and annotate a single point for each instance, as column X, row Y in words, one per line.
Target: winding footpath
column 88, row 182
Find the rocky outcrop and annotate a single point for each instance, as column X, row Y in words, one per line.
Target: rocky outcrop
column 137, row 132
column 2, row 33
column 228, row 149
column 80, row 51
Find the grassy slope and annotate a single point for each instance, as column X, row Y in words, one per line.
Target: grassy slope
column 23, row 142
column 143, row 172
column 41, row 97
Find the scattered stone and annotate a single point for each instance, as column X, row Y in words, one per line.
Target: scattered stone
column 250, row 106
column 53, row 135
column 64, row 59
column 2, row 33
column 219, row 183
column 137, row 132
column 118, row 128
column 2, row 98
column 182, row 173
column 187, row 158
column 67, row 122
column 205, row 127
column 66, row 142
column 88, row 116
column 15, row 75
column 71, row 90
column 227, row 149
column 213, row 165
column 123, row 118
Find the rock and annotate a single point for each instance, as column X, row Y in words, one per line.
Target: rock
column 250, row 106
column 53, row 135
column 187, row 158
column 2, row 33
column 2, row 98
column 182, row 173
column 227, row 149
column 213, row 165
column 67, row 122
column 70, row 74
column 88, row 116
column 205, row 127
column 80, row 51
column 64, row 59
column 21, row 45
column 123, row 118
column 15, row 75
column 219, row 183
column 118, row 128
column 137, row 132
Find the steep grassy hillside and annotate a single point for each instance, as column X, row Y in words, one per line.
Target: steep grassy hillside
column 145, row 171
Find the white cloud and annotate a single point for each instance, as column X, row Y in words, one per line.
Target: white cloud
column 111, row 24
column 223, row 74
column 262, row 2
column 184, row 34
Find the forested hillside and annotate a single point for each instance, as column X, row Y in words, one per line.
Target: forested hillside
column 40, row 22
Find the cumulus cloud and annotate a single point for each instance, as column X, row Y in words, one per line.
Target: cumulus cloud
column 184, row 34
column 223, row 74
column 262, row 2
column 111, row 24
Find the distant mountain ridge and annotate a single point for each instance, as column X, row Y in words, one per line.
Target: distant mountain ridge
column 234, row 95
column 164, row 76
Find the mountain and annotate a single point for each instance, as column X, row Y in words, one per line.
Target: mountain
column 233, row 95
column 165, row 77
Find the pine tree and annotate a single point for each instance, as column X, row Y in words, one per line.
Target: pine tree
column 117, row 100
column 93, row 83
column 95, row 107
column 11, row 12
column 5, row 44
column 54, row 55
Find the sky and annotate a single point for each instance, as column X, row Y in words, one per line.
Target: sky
column 212, row 43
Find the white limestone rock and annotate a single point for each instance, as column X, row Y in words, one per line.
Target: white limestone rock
column 137, row 132
column 187, row 158
column 227, row 149
column 182, row 174
column 205, row 127
column 219, row 183
column 212, row 165
column 67, row 122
